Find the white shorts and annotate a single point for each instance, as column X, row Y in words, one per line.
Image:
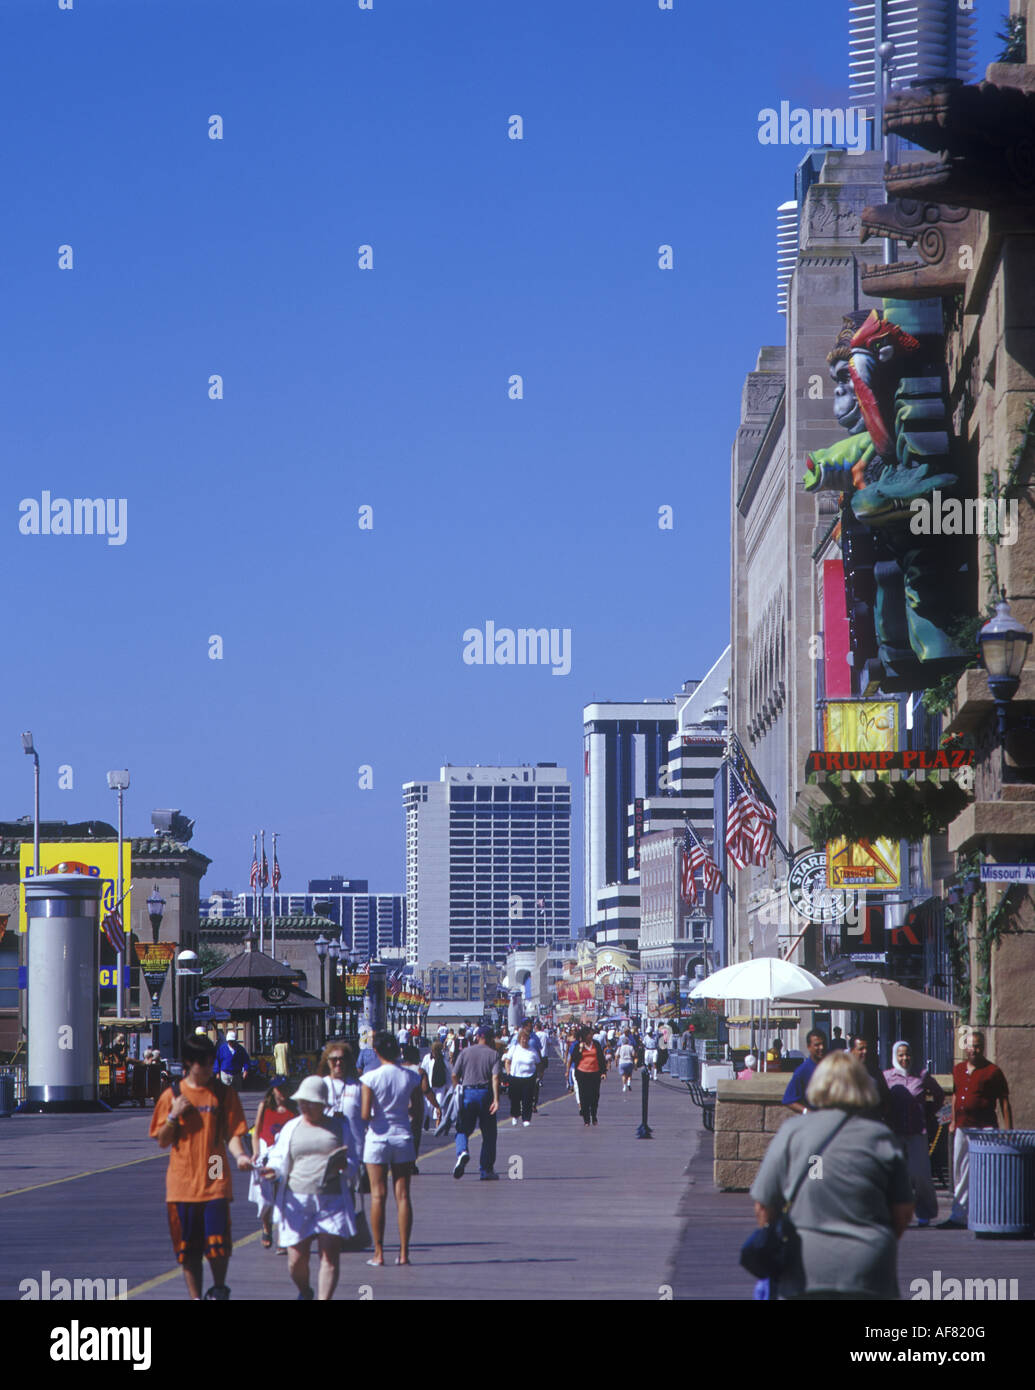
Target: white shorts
column 315, row 1213
column 377, row 1148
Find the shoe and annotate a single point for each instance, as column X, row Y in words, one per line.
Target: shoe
column 950, row 1225
column 218, row 1294
column 305, row 1296
column 594, row 1119
column 415, row 1171
column 586, row 1123
column 461, row 1164
column 525, row 1124
column 489, row 1177
column 922, row 1224
column 513, row 1121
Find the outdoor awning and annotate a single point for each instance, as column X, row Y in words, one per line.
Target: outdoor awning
column 869, row 993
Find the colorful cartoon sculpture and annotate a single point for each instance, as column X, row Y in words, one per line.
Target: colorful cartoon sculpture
column 902, row 586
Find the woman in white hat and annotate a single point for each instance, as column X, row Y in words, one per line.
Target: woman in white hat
column 308, row 1161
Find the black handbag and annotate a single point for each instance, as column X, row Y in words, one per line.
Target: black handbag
column 770, row 1251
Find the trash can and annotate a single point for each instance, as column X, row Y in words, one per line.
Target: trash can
column 676, row 1068
column 6, row 1094
column 1002, row 1182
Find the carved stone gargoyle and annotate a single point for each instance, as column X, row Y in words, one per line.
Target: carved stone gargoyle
column 938, row 233
column 984, row 138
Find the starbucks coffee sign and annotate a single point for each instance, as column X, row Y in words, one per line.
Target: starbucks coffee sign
column 808, row 892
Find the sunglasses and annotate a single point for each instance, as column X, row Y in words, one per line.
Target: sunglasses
column 336, row 1059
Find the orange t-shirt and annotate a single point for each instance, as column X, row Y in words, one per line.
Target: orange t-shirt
column 193, row 1176
column 589, row 1061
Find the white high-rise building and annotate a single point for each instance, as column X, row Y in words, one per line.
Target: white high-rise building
column 932, row 38
column 488, row 862
column 786, row 250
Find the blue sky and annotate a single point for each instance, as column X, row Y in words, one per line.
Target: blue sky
column 387, row 387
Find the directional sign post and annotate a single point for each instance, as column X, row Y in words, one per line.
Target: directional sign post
column 1008, row 873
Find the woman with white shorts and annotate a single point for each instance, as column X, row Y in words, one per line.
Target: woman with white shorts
column 307, row 1162
column 393, row 1106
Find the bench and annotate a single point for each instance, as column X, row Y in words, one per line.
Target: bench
column 705, row 1101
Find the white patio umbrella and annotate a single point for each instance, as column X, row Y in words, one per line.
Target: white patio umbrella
column 760, row 980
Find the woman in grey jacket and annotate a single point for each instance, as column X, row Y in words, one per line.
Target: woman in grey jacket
column 855, row 1200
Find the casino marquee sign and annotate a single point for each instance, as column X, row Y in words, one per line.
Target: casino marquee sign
column 910, row 760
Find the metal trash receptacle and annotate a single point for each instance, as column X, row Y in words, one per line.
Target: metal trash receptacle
column 6, row 1094
column 677, row 1066
column 1002, row 1182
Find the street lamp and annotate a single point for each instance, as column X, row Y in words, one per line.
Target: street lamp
column 155, row 910
column 321, row 950
column 1003, row 643
column 334, row 950
column 185, row 964
column 27, row 747
column 118, row 782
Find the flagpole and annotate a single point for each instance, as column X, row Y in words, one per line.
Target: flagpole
column 261, row 886
column 253, row 873
column 273, row 901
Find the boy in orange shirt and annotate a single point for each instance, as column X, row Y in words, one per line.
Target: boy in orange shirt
column 197, row 1125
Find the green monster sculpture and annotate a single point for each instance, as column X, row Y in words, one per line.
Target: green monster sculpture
column 888, row 394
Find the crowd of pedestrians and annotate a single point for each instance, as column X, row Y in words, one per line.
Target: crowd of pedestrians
column 353, row 1131
column 868, row 1134
column 320, row 1147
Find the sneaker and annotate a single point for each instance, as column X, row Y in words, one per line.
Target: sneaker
column 513, row 1121
column 489, row 1177
column 305, row 1296
column 461, row 1164
column 594, row 1119
column 218, row 1293
column 525, row 1124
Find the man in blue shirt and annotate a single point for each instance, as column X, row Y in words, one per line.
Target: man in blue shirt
column 367, row 1059
column 794, row 1096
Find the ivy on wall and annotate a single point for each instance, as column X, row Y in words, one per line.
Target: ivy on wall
column 898, row 818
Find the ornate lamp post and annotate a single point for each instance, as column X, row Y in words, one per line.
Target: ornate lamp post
column 321, row 950
column 155, row 910
column 1004, row 645
column 334, row 951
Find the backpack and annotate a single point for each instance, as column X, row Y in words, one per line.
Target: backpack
column 220, row 1092
column 439, row 1076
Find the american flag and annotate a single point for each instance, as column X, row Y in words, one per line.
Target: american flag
column 695, row 857
column 264, row 881
column 687, row 886
column 253, row 877
column 749, row 826
column 276, row 872
column 112, row 925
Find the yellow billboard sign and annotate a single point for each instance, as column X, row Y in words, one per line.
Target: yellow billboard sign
column 862, row 726
column 99, row 859
column 864, row 863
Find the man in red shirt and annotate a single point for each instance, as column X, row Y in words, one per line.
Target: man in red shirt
column 977, row 1087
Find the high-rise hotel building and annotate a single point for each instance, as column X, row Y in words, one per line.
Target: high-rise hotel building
column 488, row 862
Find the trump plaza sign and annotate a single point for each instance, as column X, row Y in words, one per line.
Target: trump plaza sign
column 909, row 760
